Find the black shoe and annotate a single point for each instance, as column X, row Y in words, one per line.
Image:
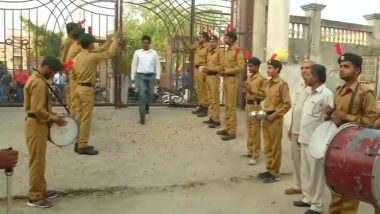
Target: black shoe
column 197, row 110
column 263, row 175
column 228, row 137
column 87, row 151
column 271, row 179
column 248, row 155
column 147, row 109
column 222, row 132
column 76, row 147
column 142, row 119
column 309, row 211
column 51, row 194
column 203, row 112
column 214, row 125
column 209, row 121
column 300, row 204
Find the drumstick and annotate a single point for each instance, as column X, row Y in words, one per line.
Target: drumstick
column 9, row 172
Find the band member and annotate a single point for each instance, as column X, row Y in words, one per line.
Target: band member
column 215, row 60
column 84, row 70
column 74, row 49
column 66, row 45
column 276, row 105
column 8, row 158
column 294, row 131
column 200, row 59
column 233, row 64
column 39, row 115
column 312, row 176
column 146, row 69
column 255, row 94
column 354, row 102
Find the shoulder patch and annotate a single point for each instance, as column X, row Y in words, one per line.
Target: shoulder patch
column 237, row 49
column 365, row 88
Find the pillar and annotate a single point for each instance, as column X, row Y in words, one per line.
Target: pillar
column 314, row 11
column 259, row 34
column 277, row 26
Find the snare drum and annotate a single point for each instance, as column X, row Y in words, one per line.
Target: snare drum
column 352, row 165
column 66, row 135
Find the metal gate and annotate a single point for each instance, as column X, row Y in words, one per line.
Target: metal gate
column 34, row 28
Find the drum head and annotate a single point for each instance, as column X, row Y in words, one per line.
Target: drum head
column 320, row 138
column 63, row 136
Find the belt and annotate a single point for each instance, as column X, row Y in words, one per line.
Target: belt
column 270, row 112
column 230, row 75
column 212, row 73
column 251, row 102
column 87, row 84
column 31, row 115
column 147, row 74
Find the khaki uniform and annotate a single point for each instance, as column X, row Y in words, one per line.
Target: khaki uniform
column 36, row 129
column 363, row 111
column 64, row 49
column 278, row 103
column 233, row 64
column 200, row 58
column 84, row 70
column 74, row 50
column 215, row 60
column 254, row 98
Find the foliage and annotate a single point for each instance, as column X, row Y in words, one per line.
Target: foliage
column 45, row 42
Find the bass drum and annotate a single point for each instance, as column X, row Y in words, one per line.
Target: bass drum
column 351, row 163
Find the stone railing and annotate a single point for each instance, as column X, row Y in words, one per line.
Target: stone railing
column 331, row 31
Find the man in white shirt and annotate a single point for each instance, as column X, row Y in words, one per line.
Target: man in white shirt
column 294, row 129
column 145, row 69
column 312, row 176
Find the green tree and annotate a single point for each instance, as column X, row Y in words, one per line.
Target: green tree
column 45, row 42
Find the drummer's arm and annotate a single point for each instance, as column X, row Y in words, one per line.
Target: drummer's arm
column 370, row 110
column 39, row 101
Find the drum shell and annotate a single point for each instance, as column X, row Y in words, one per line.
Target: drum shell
column 351, row 163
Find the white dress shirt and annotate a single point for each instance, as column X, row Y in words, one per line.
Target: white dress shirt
column 312, row 112
column 145, row 61
column 299, row 99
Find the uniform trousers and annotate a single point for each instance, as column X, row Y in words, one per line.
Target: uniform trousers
column 212, row 82
column 201, row 87
column 253, row 131
column 230, row 88
column 36, row 134
column 313, row 180
column 272, row 133
column 84, row 98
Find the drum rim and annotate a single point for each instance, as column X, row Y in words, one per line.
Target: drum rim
column 333, row 134
column 339, row 129
column 77, row 130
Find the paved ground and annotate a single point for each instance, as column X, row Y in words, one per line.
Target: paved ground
column 171, row 165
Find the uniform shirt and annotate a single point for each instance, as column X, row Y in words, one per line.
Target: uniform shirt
column 64, row 49
column 145, row 61
column 257, row 84
column 36, row 98
column 297, row 108
column 215, row 59
column 277, row 97
column 74, row 50
column 200, row 55
column 312, row 112
column 364, row 106
column 234, row 60
column 85, row 63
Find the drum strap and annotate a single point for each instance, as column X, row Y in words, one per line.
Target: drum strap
column 352, row 100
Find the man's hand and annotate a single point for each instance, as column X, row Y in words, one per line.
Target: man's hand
column 290, row 134
column 60, row 121
column 327, row 110
column 8, row 158
column 339, row 114
column 271, row 118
